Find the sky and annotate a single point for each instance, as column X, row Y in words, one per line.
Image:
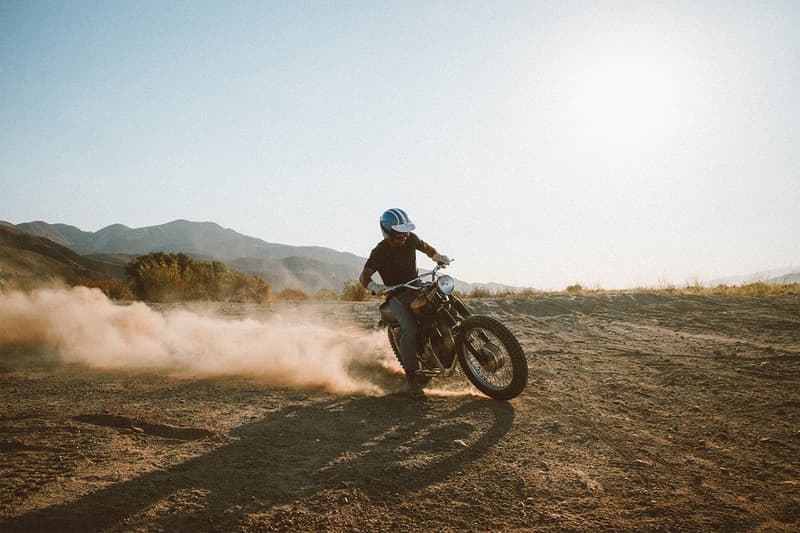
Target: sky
column 538, row 143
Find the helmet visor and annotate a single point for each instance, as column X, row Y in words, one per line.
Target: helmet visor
column 404, row 228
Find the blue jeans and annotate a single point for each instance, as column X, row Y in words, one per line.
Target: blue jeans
column 399, row 306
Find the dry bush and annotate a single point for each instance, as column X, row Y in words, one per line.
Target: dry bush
column 325, row 295
column 577, row 288
column 113, row 288
column 292, row 295
column 10, row 283
column 478, row 292
column 354, row 292
column 758, row 289
column 161, row 277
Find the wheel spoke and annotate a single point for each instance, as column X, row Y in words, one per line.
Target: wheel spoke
column 492, row 358
column 495, row 379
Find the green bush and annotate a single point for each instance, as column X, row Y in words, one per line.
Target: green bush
column 160, row 277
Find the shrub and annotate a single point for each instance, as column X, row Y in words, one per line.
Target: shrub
column 354, row 292
column 325, row 295
column 292, row 295
column 163, row 277
column 478, row 292
column 113, row 288
column 240, row 287
column 527, row 293
column 575, row 289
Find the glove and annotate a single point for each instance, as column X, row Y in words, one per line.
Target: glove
column 441, row 259
column 376, row 288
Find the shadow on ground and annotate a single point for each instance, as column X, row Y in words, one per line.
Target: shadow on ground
column 385, row 446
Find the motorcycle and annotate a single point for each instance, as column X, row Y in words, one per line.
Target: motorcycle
column 449, row 335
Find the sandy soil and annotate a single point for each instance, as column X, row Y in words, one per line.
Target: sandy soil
column 643, row 412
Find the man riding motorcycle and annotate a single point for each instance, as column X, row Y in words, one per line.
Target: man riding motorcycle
column 395, row 259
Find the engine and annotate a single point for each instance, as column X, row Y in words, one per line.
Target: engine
column 441, row 345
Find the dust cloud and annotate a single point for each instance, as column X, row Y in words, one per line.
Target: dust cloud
column 83, row 326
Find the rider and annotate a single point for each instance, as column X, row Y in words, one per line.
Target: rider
column 395, row 259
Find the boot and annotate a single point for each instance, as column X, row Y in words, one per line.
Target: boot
column 414, row 387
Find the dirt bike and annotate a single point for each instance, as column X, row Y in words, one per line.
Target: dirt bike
column 448, row 335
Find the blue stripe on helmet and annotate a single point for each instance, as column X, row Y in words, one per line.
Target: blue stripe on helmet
column 401, row 216
column 396, row 220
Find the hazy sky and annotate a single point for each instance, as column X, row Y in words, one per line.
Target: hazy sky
column 539, row 143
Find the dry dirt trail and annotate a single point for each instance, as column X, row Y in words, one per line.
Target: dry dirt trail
column 643, row 412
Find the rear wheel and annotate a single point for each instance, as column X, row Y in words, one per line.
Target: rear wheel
column 492, row 358
column 394, row 340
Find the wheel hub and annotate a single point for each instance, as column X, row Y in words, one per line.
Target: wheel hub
column 491, row 357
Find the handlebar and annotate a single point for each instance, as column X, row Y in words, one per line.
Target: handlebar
column 410, row 283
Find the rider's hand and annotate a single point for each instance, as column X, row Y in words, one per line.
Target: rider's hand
column 376, row 288
column 441, row 259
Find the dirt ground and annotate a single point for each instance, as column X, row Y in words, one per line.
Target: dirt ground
column 643, row 412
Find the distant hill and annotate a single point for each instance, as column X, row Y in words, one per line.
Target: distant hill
column 308, row 268
column 787, row 279
column 196, row 238
column 304, row 273
column 69, row 236
column 778, row 276
column 32, row 259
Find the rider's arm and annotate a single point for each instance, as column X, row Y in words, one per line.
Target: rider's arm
column 428, row 250
column 366, row 276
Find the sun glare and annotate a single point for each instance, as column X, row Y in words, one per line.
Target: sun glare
column 625, row 100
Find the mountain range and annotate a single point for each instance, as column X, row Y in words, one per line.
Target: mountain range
column 68, row 252
column 308, row 268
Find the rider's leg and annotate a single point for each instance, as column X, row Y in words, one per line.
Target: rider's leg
column 408, row 330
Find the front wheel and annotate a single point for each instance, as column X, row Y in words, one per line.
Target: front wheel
column 492, row 358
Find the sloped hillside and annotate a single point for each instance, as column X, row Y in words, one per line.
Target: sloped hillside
column 308, row 268
column 32, row 259
column 204, row 239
